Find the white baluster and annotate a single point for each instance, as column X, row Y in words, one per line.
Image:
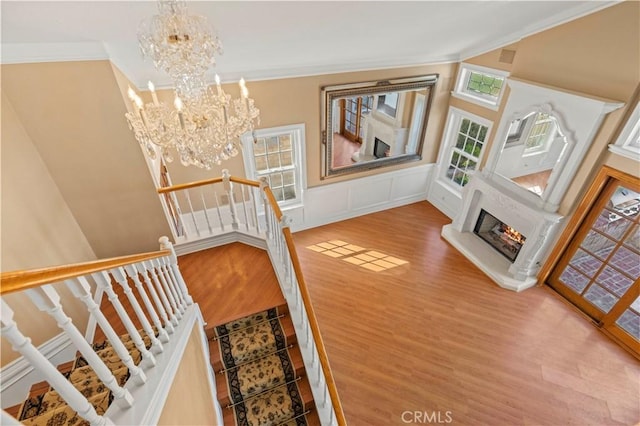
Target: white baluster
column 132, row 272
column 244, row 208
column 254, row 208
column 103, row 280
column 165, row 267
column 215, row 195
column 47, row 300
column 163, row 295
column 69, row 393
column 121, row 278
column 204, row 206
column 81, row 289
column 172, row 300
column 168, row 285
column 267, row 207
column 193, row 215
column 142, row 270
column 165, row 244
column 228, row 188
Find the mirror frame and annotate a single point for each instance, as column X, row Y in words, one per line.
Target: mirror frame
column 342, row 91
column 551, row 191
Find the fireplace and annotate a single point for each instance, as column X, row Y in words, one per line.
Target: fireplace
column 381, row 149
column 503, row 238
column 485, row 217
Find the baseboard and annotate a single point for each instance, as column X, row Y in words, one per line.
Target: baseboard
column 18, row 376
column 220, row 240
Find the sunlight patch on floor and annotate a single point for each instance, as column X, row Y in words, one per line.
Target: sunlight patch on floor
column 372, row 260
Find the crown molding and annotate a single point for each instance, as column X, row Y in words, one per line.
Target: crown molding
column 560, row 18
column 19, row 53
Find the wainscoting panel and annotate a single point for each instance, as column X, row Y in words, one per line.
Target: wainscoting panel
column 345, row 200
column 445, row 199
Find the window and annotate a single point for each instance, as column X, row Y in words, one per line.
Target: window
column 480, row 85
column 465, row 137
column 628, row 142
column 277, row 154
column 351, row 112
column 541, row 131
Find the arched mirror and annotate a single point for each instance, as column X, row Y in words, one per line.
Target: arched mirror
column 534, row 145
column 374, row 124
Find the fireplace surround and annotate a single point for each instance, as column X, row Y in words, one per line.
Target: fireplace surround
column 538, row 225
column 575, row 119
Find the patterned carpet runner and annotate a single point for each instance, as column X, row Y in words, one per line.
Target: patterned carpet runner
column 50, row 409
column 262, row 382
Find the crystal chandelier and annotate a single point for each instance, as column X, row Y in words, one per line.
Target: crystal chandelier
column 205, row 124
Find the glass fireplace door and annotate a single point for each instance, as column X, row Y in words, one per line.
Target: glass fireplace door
column 599, row 271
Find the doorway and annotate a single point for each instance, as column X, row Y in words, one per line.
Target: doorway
column 599, row 269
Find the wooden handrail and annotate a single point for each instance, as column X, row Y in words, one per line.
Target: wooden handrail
column 13, row 281
column 313, row 323
column 322, row 353
column 197, row 183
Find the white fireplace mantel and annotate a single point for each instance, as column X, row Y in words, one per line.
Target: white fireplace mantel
column 579, row 117
column 536, row 224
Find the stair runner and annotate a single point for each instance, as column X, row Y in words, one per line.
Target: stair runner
column 48, row 408
column 262, row 381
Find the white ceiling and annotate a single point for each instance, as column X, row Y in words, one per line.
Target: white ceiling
column 268, row 39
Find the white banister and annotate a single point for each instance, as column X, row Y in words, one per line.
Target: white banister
column 67, row 391
column 121, row 278
column 47, row 299
column 173, row 284
column 132, row 272
column 157, row 270
column 141, row 268
column 149, row 268
column 81, row 289
column 103, row 280
column 165, row 244
column 228, row 188
column 205, row 210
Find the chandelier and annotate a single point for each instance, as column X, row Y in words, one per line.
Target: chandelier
column 205, row 123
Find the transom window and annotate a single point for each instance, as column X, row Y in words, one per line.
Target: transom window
column 276, row 154
column 465, row 138
column 480, row 85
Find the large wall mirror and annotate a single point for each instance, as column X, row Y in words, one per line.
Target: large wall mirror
column 534, row 145
column 374, row 124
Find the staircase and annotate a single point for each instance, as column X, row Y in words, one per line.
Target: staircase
column 260, row 374
column 44, row 406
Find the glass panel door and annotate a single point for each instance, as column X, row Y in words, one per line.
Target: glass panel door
column 600, row 270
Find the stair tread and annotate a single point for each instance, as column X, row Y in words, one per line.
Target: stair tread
column 215, row 356
column 306, row 397
column 222, row 385
column 66, row 415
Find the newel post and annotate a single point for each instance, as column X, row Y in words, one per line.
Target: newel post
column 267, row 212
column 165, row 244
column 228, row 188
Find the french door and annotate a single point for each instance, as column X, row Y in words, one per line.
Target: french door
column 599, row 270
column 351, row 111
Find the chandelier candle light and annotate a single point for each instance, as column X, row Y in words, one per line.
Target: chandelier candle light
column 205, row 126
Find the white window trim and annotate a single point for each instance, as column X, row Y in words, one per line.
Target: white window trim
column 464, row 72
column 630, row 132
column 297, row 132
column 447, row 145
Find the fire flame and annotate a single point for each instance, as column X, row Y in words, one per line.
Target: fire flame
column 514, row 235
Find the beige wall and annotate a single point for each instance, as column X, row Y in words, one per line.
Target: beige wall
column 598, row 55
column 36, row 230
column 297, row 100
column 74, row 114
column 190, row 401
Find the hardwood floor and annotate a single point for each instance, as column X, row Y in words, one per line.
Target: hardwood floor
column 436, row 335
